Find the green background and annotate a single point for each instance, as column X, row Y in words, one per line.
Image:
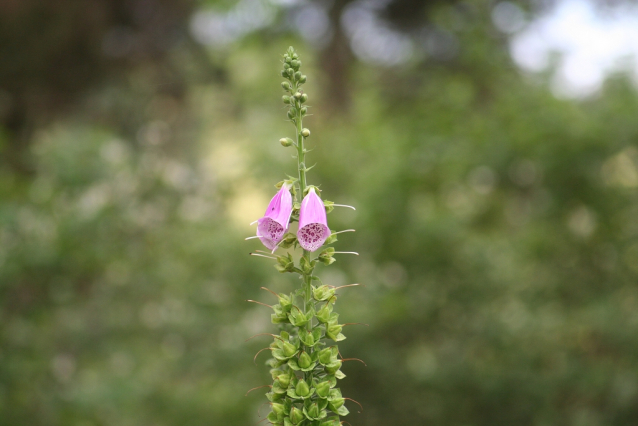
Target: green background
column 497, row 225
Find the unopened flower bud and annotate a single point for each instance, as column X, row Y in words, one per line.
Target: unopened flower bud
column 295, row 64
column 295, row 56
column 286, row 141
column 297, row 74
column 302, row 79
column 297, row 95
column 284, row 74
column 304, row 98
column 291, row 115
column 285, row 85
column 287, row 59
column 290, row 72
column 305, row 132
column 285, row 99
column 304, row 110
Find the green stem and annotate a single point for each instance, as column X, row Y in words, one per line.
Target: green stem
column 301, row 166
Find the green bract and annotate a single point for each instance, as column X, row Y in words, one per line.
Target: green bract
column 304, row 371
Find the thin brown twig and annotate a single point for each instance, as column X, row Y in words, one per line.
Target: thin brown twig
column 356, row 403
column 258, row 387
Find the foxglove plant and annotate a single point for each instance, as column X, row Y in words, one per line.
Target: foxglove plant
column 306, row 362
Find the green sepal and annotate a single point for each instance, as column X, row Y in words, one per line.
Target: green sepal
column 298, row 318
column 278, row 388
column 325, row 256
column 331, row 239
column 285, row 263
column 296, row 415
column 284, row 379
column 323, row 389
column 322, row 292
column 311, row 339
column 328, row 355
column 315, row 410
column 287, row 422
column 331, row 421
column 292, row 363
column 292, row 392
column 343, row 411
column 272, row 417
column 272, row 397
column 339, row 374
column 304, row 360
column 333, row 367
column 289, row 240
column 306, row 266
column 329, row 205
column 279, row 317
column 323, row 314
column 333, row 331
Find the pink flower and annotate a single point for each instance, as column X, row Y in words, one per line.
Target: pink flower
column 313, row 226
column 272, row 227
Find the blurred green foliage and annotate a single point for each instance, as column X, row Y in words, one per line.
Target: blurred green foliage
column 497, row 227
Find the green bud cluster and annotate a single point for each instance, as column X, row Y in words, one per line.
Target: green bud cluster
column 306, row 363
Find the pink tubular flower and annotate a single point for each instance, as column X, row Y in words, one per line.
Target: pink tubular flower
column 313, row 226
column 272, row 227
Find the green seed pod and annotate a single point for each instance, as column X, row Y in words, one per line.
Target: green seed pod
column 305, row 132
column 323, row 314
column 285, row 99
column 302, row 79
column 332, row 421
column 277, row 408
column 302, row 388
column 304, row 360
column 336, row 403
column 286, row 141
column 284, row 380
column 325, row 356
column 312, row 410
column 289, row 349
column 304, row 98
column 323, row 389
column 333, row 367
column 296, row 415
column 333, row 331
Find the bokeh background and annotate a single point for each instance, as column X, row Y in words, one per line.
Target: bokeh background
column 491, row 150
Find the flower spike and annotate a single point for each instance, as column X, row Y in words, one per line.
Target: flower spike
column 272, row 227
column 313, row 225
